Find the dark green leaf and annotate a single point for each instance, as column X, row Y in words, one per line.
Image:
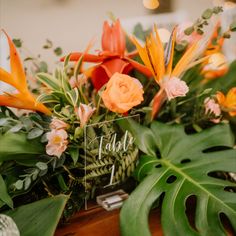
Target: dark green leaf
column 181, row 170
column 4, row 196
column 17, row 42
column 74, row 153
column 58, row 51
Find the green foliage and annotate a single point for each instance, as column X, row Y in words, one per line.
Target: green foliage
column 4, row 196
column 15, row 146
column 39, row 218
column 183, row 166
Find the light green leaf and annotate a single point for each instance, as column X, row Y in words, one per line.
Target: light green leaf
column 34, row 133
column 48, row 80
column 4, row 196
column 39, row 218
column 180, row 170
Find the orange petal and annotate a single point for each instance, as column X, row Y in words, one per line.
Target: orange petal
column 22, row 103
column 139, row 67
column 158, row 101
column 87, row 57
column 220, row 98
column 113, row 38
column 17, row 71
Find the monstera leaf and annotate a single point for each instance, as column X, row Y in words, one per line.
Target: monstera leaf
column 180, row 169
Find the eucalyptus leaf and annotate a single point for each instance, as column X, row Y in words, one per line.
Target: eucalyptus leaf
column 182, row 169
column 35, row 133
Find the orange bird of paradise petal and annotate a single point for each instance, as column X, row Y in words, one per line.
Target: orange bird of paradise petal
column 21, row 98
column 228, row 102
column 160, row 61
column 112, row 58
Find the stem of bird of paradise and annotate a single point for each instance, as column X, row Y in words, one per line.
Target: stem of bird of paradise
column 158, row 101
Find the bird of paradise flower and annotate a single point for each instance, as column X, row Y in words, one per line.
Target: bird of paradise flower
column 159, row 60
column 21, row 98
column 113, row 57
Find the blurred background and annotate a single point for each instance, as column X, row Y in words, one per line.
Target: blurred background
column 70, row 24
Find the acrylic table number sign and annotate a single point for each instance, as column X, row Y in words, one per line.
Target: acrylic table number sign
column 110, row 158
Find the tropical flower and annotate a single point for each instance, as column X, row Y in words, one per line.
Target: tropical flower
column 21, row 98
column 84, row 113
column 112, row 58
column 216, row 66
column 151, row 4
column 212, row 107
column 159, row 62
column 122, row 93
column 57, row 142
column 228, row 102
column 174, row 87
column 58, row 124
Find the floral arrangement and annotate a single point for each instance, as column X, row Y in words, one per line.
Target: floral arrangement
column 184, row 95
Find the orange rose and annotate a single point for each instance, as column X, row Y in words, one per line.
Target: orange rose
column 122, row 93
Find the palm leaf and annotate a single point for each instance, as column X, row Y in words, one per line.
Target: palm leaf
column 178, row 171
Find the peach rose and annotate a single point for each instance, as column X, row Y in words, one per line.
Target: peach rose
column 58, row 124
column 174, row 87
column 122, row 93
column 57, row 142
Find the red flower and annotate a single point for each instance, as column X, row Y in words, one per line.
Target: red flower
column 112, row 58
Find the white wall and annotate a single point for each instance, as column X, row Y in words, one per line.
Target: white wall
column 72, row 23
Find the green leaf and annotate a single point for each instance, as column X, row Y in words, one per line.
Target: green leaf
column 233, row 26
column 207, row 14
column 39, row 218
column 78, row 67
column 43, row 67
column 17, row 42
column 34, row 133
column 42, row 165
column 58, row 51
column 15, row 146
column 74, row 153
column 48, row 44
column 143, row 136
column 4, row 196
column 48, row 80
column 189, row 30
column 179, row 170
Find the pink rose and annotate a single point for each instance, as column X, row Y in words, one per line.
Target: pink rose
column 57, row 142
column 84, row 113
column 181, row 36
column 174, row 87
column 213, row 108
column 58, row 124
